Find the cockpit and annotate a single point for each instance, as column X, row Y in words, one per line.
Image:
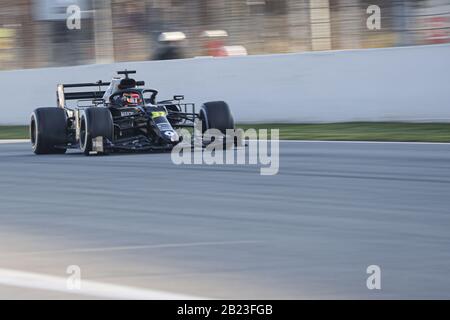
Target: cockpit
column 126, row 98
column 124, row 92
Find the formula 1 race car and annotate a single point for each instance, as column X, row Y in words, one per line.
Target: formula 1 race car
column 124, row 117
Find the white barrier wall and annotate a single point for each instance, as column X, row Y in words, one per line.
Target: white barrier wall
column 393, row 84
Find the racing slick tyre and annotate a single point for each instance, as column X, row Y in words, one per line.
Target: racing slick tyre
column 217, row 115
column 95, row 122
column 48, row 131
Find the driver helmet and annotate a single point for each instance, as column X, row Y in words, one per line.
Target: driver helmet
column 131, row 99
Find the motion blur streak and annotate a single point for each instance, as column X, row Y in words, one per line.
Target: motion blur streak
column 143, row 247
column 333, row 210
column 88, row 288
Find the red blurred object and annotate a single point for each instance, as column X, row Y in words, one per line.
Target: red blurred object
column 214, row 48
column 438, row 30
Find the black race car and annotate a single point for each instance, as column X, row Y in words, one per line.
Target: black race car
column 124, row 117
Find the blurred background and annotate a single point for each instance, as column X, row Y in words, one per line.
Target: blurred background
column 34, row 34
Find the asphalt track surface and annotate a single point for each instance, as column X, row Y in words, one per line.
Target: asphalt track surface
column 228, row 232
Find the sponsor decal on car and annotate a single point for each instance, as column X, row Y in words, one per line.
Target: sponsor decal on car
column 156, row 114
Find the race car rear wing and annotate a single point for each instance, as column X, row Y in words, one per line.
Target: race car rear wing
column 62, row 95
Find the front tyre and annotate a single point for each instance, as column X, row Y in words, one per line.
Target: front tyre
column 48, row 131
column 216, row 115
column 95, row 122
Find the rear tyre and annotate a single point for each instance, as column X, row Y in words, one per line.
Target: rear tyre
column 48, row 131
column 95, row 122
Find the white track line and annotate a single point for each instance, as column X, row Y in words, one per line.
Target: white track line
column 88, row 288
column 360, row 142
column 293, row 141
column 10, row 141
column 137, row 247
column 369, row 142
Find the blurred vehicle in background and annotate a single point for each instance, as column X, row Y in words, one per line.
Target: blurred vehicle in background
column 215, row 45
column 170, row 46
column 214, row 41
column 231, row 51
column 33, row 33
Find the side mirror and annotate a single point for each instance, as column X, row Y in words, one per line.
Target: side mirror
column 178, row 98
